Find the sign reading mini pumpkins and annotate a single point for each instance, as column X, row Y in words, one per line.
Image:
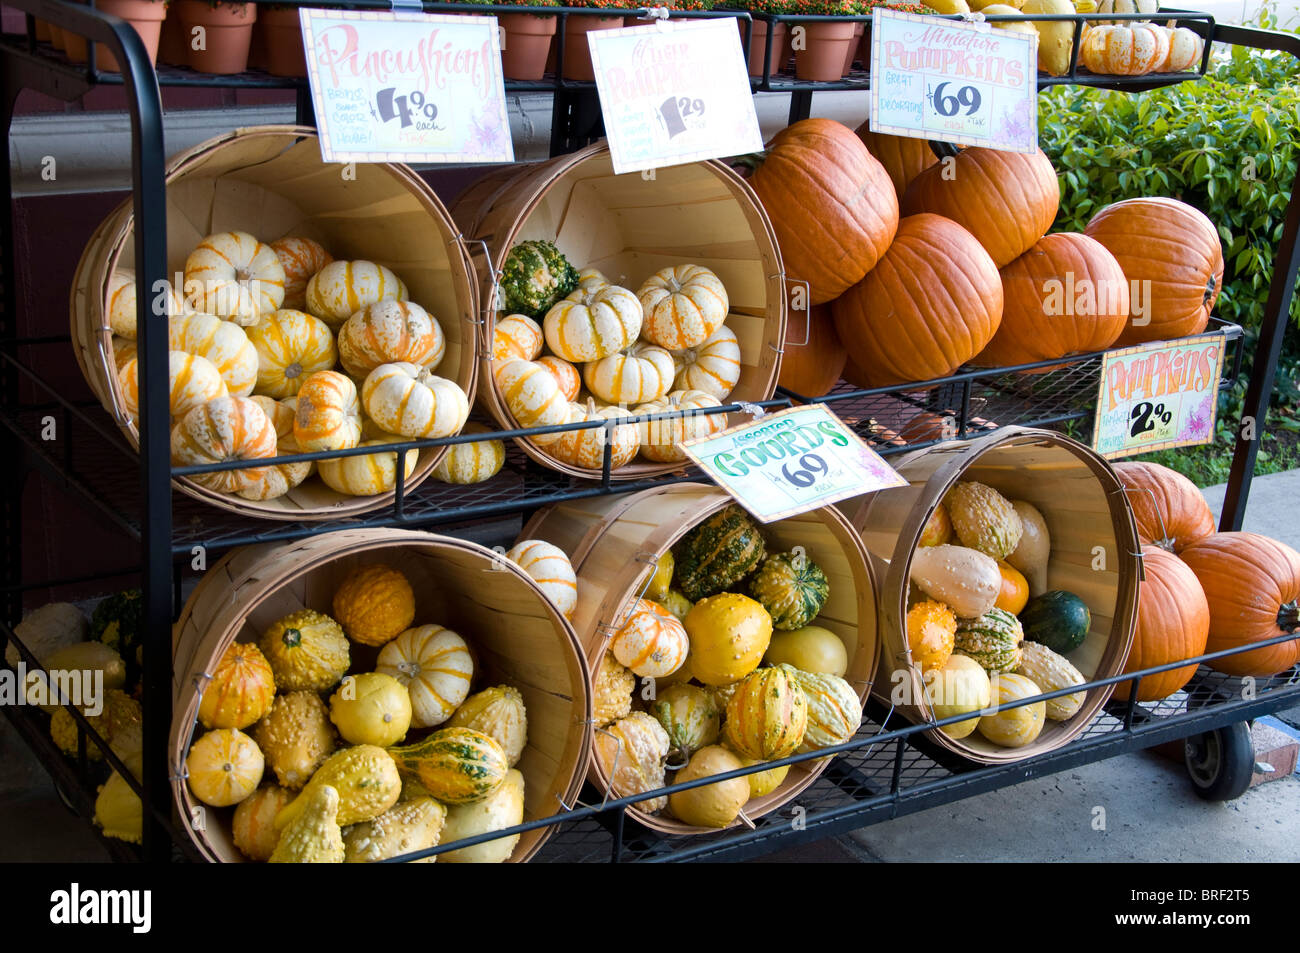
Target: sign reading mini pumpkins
column 790, row 462
column 406, row 87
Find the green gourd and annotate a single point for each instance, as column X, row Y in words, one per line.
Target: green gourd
column 792, row 588
column 455, row 765
column 993, row 640
column 535, row 276
column 717, row 553
column 1057, row 619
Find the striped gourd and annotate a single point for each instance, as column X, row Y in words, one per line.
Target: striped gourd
column 120, row 303
column 587, row 326
column 367, row 474
column 565, row 374
column 549, row 567
column 1052, row 672
column 792, row 588
column 253, row 826
column 223, row 767
column 224, row 343
column 435, row 666
column 500, row 714
column 586, row 448
column 455, row 765
column 224, row 429
column 300, row 258
column 291, row 346
column 651, row 641
column 123, row 350
column 641, row 373
column 516, row 336
column 194, row 381
column 983, row 519
column 994, row 640
column 234, row 276
column 329, row 413
column 279, row 478
column 834, row 712
column 718, row 553
column 532, row 396
column 683, row 305
column 713, row 367
column 689, row 715
column 342, row 288
column 240, row 689
column 661, row 440
column 412, row 401
column 767, row 716
column 475, row 462
column 390, row 332
column 1014, row 727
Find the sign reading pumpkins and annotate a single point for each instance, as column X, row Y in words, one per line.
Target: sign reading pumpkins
column 1159, row 395
column 406, row 87
column 954, row 81
column 790, row 462
column 674, row 92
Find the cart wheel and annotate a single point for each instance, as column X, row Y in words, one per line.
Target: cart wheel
column 1221, row 762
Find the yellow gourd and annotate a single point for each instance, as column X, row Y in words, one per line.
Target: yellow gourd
column 404, row 828
column 307, row 650
column 498, row 713
column 712, row 805
column 612, row 688
column 657, row 589
column 931, row 632
column 118, row 811
column 253, row 826
column 1014, row 727
column 761, row 783
column 810, row 649
column 224, row 767
column 365, row 778
column 503, row 808
column 729, row 634
column 371, row 709
column 374, row 604
column 296, row 737
column 313, row 835
column 961, row 685
column 631, row 752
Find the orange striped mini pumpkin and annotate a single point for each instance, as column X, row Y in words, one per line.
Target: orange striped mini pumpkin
column 366, row 474
column 409, row 400
column 586, row 448
column 329, row 413
column 652, row 642
column 280, row 478
column 465, row 463
column 642, row 372
column 253, row 826
column 435, row 666
column 713, row 367
column 589, row 325
column 661, row 440
column 291, row 346
column 532, row 395
column 342, row 288
column 240, row 691
column 120, row 306
column 228, row 428
column 516, row 335
column 234, row 276
column 565, row 374
column 390, row 332
column 224, row 343
column 194, row 381
column 550, row 568
column 683, row 305
column 300, row 258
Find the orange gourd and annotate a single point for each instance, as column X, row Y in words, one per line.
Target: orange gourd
column 241, row 690
column 1014, row 593
column 1169, row 509
column 1173, row 623
column 931, row 634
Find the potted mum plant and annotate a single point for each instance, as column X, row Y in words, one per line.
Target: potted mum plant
column 222, row 43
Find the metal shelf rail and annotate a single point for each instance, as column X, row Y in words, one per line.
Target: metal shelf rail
column 161, row 528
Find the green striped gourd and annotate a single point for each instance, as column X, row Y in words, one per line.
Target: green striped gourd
column 834, row 712
column 792, row 588
column 689, row 715
column 717, row 553
column 455, row 765
column 993, row 640
column 767, row 716
column 984, row 519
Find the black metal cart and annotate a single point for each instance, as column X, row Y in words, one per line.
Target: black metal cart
column 887, row 770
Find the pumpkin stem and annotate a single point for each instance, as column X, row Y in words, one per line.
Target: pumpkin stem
column 943, row 150
column 1209, row 291
column 292, row 638
column 1288, row 617
column 751, row 161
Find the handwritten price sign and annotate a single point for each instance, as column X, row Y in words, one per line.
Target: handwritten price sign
column 791, row 462
column 406, row 87
column 953, row 81
column 673, row 93
column 1158, row 395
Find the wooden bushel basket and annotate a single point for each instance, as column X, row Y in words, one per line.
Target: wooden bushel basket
column 516, row 635
column 1089, row 520
column 629, row 227
column 270, row 181
column 614, row 543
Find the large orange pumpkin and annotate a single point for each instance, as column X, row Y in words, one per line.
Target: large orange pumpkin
column 1066, row 294
column 903, row 157
column 1171, row 254
column 931, row 304
column 1173, row 623
column 831, row 203
column 1251, row 583
column 1007, row 200
column 1169, row 510
column 811, row 369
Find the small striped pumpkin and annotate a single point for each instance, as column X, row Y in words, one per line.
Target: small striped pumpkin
column 516, row 336
column 194, row 381
column 366, row 474
column 532, row 396
column 640, row 373
column 411, row 401
column 713, row 367
column 329, row 413
column 279, row 478
column 240, row 690
column 466, row 463
column 586, row 448
column 834, row 712
column 683, row 305
column 224, row 343
column 120, row 305
column 652, row 642
column 342, row 288
column 234, row 276
column 253, row 826
column 767, row 715
column 300, row 258
column 123, row 350
column 550, row 568
column 589, row 325
column 291, row 346
column 565, row 374
column 228, row 428
column 435, row 666
column 661, row 440
column 389, row 332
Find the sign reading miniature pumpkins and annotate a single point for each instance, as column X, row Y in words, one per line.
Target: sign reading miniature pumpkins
column 673, row 93
column 1159, row 395
column 967, row 83
column 406, row 87
column 790, row 462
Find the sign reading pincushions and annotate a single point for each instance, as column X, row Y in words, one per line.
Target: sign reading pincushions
column 1158, row 395
column 674, row 92
column 953, row 81
column 791, row 462
column 406, row 87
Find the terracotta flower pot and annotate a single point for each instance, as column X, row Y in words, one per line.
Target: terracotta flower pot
column 281, row 47
column 173, row 44
column 577, row 54
column 859, row 30
column 227, row 35
column 827, row 45
column 758, row 45
column 147, row 18
column 527, row 46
